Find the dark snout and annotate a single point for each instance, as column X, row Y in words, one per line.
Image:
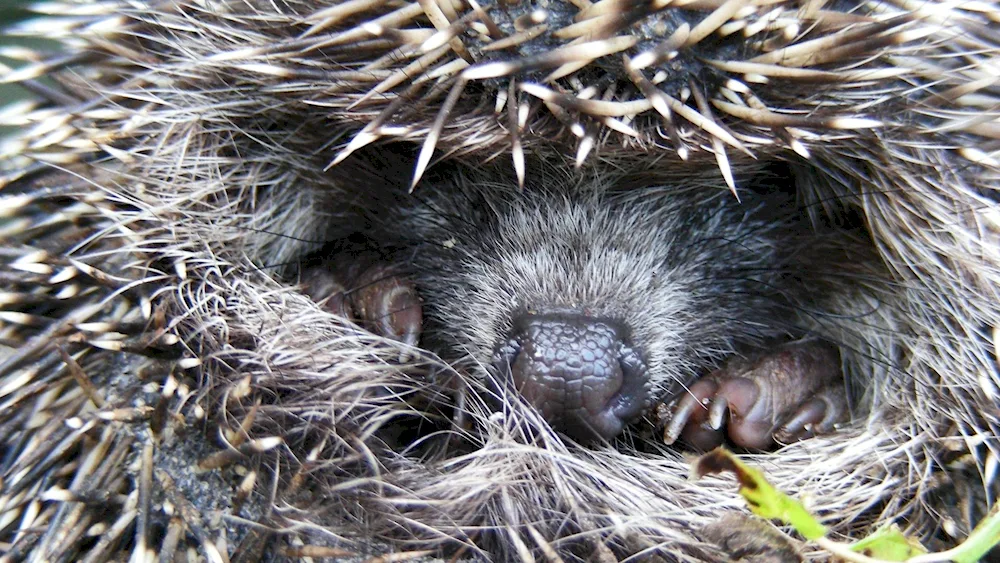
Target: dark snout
column 578, row 371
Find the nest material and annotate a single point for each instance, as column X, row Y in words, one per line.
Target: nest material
column 164, row 393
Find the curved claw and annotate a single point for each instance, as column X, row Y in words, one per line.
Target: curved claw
column 690, row 420
column 790, row 394
column 817, row 416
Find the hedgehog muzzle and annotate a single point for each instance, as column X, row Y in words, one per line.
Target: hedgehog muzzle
column 579, row 372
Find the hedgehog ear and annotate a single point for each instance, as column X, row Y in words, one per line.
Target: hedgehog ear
column 825, row 195
column 773, row 178
column 382, row 165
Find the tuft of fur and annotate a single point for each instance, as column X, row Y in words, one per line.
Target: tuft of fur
column 165, row 387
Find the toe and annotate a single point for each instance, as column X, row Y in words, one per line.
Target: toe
column 389, row 305
column 751, row 416
column 817, row 416
column 688, row 417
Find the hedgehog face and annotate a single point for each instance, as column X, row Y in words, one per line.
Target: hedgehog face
column 590, row 299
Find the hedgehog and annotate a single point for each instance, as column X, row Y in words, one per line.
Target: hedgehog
column 232, row 327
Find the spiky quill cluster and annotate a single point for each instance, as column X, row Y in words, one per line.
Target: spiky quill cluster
column 162, row 394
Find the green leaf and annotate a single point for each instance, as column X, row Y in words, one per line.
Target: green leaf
column 982, row 539
column 764, row 500
column 888, row 543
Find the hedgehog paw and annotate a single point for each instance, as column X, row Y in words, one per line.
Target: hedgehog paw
column 792, row 393
column 382, row 301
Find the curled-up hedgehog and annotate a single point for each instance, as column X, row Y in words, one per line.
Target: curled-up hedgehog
column 447, row 279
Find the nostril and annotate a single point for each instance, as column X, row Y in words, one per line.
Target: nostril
column 506, row 355
column 634, row 396
column 577, row 371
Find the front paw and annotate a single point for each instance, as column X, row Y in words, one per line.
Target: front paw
column 791, row 393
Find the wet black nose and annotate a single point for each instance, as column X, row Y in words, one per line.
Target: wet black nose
column 577, row 371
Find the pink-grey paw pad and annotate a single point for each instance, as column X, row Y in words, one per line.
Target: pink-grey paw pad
column 788, row 395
